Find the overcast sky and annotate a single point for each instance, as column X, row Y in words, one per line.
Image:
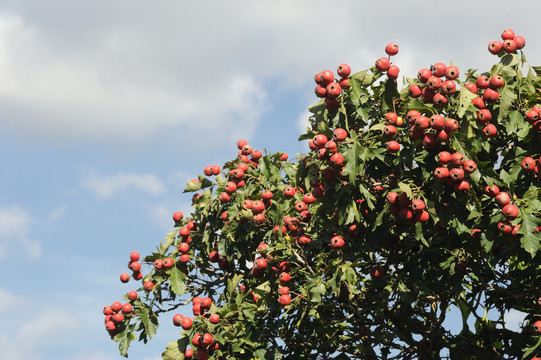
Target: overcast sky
column 107, row 108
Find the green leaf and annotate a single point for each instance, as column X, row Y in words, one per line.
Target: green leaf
column 354, row 159
column 531, row 238
column 406, row 188
column 124, row 339
column 465, row 99
column 149, row 321
column 178, row 281
column 175, row 349
column 317, row 292
column 507, row 98
column 530, row 350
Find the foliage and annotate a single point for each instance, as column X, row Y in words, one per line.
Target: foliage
column 387, row 291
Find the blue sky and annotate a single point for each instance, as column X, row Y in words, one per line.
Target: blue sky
column 108, row 108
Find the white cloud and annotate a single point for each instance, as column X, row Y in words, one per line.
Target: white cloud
column 15, row 224
column 9, row 301
column 108, row 186
column 122, row 72
column 57, row 213
column 47, row 327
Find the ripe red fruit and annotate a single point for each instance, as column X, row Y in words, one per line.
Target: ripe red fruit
column 502, row 198
column 331, row 103
column 422, row 216
column 216, row 169
column 443, row 158
column 284, row 277
column 134, row 256
column 482, row 82
column 496, row 81
column 158, row 264
column 448, row 87
column 177, row 319
column 148, row 285
column 461, row 186
column 436, row 122
column 337, row 159
column 491, row 95
column 393, row 72
column 438, row 69
column 537, row 326
column 439, row 100
column 177, row 216
column 423, row 75
column 127, row 308
column 451, row 125
column 183, row 248
column 412, row 116
column 289, row 191
column 429, row 141
column 260, row 264
column 456, row 174
column 528, row 164
column 137, row 275
column 393, row 146
column 451, row 72
column 168, row 263
column 532, row 116
column 230, row 187
column 214, row 318
column 337, row 242
column 115, row 307
column 118, row 317
column 132, row 295
column 344, row 83
column 472, row 87
column 187, row 323
column 490, row 131
column 339, row 134
column 333, row 90
column 344, row 70
column 469, row 166
column 417, row 205
column 510, row 212
column 441, row 173
column 134, row 266
column 207, row 170
column 241, row 143
column 520, row 41
column 492, row 191
column 508, row 34
column 509, row 46
column 505, row 227
column 284, row 299
column 391, row 49
column 184, row 258
column 327, row 77
column 377, row 273
column 414, row 91
column 495, row 47
column 433, row 83
column 484, row 116
column 456, row 160
column 422, row 122
column 389, row 130
column 391, row 118
column 320, row 91
column 124, row 277
column 383, row 64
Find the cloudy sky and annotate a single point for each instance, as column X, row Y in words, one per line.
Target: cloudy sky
column 107, row 108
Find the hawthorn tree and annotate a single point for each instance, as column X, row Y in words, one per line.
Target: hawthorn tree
column 409, row 203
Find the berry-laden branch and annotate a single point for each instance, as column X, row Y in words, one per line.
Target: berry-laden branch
column 410, row 202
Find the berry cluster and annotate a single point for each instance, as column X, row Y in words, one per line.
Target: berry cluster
column 329, row 88
column 457, row 167
column 510, row 44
